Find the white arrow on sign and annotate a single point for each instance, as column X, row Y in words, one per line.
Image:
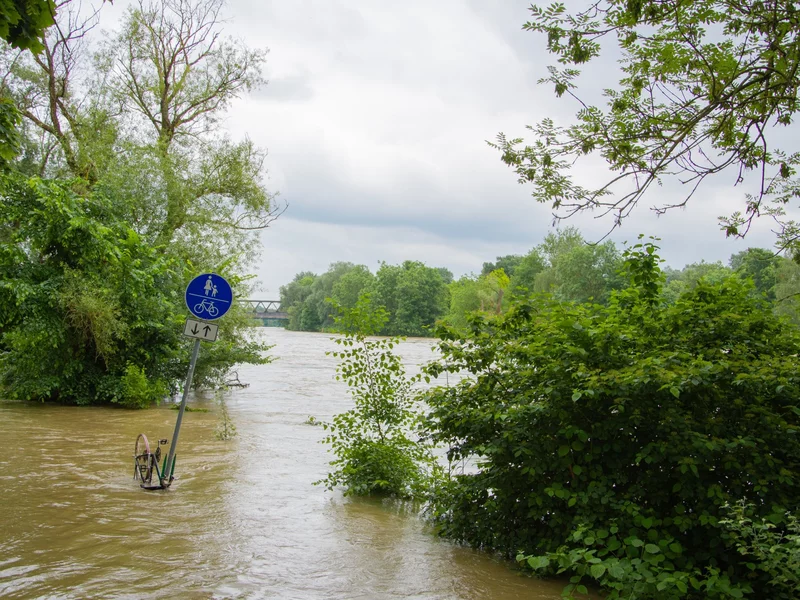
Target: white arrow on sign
column 198, row 329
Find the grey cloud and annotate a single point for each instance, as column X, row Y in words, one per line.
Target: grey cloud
column 294, row 88
column 374, row 118
column 320, row 194
column 489, row 228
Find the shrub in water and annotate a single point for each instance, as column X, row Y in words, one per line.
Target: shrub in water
column 377, row 451
column 609, row 439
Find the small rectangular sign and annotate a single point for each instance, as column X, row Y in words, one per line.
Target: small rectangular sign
column 198, row 329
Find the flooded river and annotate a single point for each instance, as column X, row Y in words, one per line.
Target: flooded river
column 242, row 520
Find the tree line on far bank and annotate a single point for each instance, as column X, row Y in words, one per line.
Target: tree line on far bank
column 417, row 296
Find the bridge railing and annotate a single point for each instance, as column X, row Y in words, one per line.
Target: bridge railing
column 263, row 306
column 266, row 309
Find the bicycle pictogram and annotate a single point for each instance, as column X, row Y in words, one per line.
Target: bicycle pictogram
column 207, row 306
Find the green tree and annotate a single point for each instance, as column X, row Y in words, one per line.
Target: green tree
column 22, row 22
column 560, row 242
column 759, row 265
column 308, row 318
column 473, row 296
column 139, row 122
column 508, row 263
column 705, row 87
column 10, row 139
column 308, row 297
column 446, row 274
column 384, row 291
column 351, row 285
column 375, row 443
column 67, row 130
column 78, row 129
column 464, row 300
column 577, row 271
column 691, row 275
column 608, row 439
column 297, row 290
column 91, row 313
column 787, row 290
column 529, row 267
column 587, row 273
column 293, row 296
column 322, row 290
column 413, row 294
column 491, row 291
column 173, row 70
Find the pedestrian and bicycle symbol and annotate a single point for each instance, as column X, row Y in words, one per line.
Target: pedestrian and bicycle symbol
column 209, row 296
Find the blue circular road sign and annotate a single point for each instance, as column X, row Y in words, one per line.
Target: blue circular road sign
column 209, row 296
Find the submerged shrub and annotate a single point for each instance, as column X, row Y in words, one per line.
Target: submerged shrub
column 136, row 391
column 375, row 443
column 609, row 438
column 225, row 429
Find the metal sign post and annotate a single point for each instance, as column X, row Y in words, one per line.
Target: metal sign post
column 208, row 297
column 167, row 476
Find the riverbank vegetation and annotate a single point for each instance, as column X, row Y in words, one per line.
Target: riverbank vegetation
column 611, row 439
column 677, row 401
column 649, row 444
column 416, row 296
column 117, row 187
column 413, row 295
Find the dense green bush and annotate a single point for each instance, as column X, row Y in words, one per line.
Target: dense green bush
column 136, row 391
column 90, row 312
column 609, row 438
column 375, row 443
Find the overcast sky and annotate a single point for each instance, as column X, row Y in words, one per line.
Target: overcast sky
column 376, row 117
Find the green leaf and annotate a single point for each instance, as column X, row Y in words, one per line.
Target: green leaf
column 616, row 571
column 538, row 562
column 597, row 571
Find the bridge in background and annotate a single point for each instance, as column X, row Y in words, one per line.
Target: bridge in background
column 268, row 312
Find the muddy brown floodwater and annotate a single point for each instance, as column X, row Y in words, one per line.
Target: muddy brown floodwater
column 242, row 520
